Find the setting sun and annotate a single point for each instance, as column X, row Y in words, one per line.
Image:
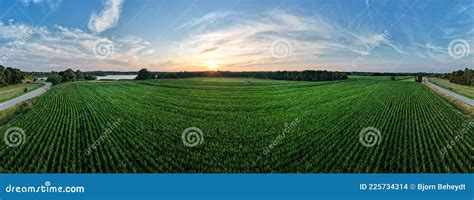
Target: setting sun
column 212, row 66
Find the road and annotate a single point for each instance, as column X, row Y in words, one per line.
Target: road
column 29, row 95
column 449, row 93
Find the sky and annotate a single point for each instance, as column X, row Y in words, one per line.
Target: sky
column 237, row 35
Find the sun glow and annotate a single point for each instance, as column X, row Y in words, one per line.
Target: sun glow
column 212, row 66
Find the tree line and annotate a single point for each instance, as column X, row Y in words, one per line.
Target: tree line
column 105, row 73
column 392, row 74
column 10, row 76
column 462, row 77
column 69, row 75
column 307, row 75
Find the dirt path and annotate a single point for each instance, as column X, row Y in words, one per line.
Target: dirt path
column 10, row 103
column 449, row 93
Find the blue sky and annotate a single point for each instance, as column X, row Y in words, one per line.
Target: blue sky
column 237, row 35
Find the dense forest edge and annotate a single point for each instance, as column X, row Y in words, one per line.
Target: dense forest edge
column 10, row 76
column 461, row 77
column 307, row 75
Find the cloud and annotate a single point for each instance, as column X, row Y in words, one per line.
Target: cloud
column 107, row 18
column 394, row 47
column 14, row 31
column 456, row 26
column 207, row 19
column 43, row 49
column 271, row 40
column 238, row 41
column 53, row 4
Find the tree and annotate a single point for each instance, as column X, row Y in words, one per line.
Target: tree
column 68, row 75
column 3, row 80
column 79, row 75
column 419, row 78
column 393, row 78
column 144, row 74
column 14, row 76
column 90, row 77
column 55, row 79
column 10, row 76
column 307, row 75
column 465, row 77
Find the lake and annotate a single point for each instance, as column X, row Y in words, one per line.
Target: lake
column 116, row 77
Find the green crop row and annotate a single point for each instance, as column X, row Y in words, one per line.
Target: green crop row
column 137, row 127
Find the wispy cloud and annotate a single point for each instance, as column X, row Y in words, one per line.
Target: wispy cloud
column 107, row 18
column 61, row 47
column 456, row 26
column 268, row 37
column 53, row 4
column 246, row 42
column 209, row 18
